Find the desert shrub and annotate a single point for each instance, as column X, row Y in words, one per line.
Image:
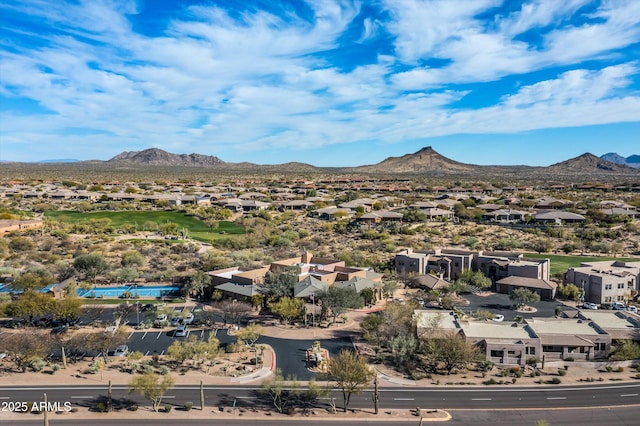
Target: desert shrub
column 167, row 408
column 490, row 382
column 562, row 372
column 188, row 405
column 555, row 381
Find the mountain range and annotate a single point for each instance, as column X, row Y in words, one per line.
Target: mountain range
column 632, row 160
column 426, row 161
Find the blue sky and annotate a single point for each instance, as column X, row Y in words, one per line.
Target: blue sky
column 325, row 82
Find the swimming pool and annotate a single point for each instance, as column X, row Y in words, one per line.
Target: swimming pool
column 145, row 291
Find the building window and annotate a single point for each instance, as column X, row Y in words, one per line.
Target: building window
column 608, row 299
column 601, row 347
column 530, row 350
column 608, row 287
column 497, row 354
column 620, row 298
column 620, row 285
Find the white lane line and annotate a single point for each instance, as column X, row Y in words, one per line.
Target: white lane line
column 146, row 353
column 558, row 397
column 481, row 399
column 130, row 334
column 159, row 334
column 144, row 335
column 81, row 397
column 629, row 394
column 161, row 353
column 202, row 334
column 169, row 396
column 246, row 397
column 403, row 399
column 4, row 397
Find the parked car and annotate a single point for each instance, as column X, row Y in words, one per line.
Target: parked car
column 619, row 306
column 188, row 319
column 607, row 306
column 589, row 305
column 498, row 318
column 161, row 317
column 181, row 331
column 176, row 320
column 121, row 350
column 632, row 309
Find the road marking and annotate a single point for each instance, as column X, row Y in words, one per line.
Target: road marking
column 159, row 334
column 4, row 397
column 558, row 397
column 481, row 399
column 169, row 396
column 162, row 353
column 130, row 334
column 202, row 334
column 146, row 353
column 82, row 397
column 188, row 332
column 144, row 335
column 246, row 397
column 629, row 394
column 404, row 399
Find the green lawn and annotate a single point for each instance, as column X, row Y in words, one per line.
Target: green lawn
column 197, row 229
column 560, row 263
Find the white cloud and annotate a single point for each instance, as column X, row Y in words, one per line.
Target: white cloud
column 211, row 82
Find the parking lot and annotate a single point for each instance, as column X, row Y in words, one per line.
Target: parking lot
column 501, row 304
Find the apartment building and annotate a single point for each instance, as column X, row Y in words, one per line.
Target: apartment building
column 606, row 282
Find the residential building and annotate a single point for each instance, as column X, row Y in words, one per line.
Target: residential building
column 606, row 282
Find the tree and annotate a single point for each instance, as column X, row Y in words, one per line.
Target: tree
column 232, row 311
column 23, row 348
column 340, row 299
column 127, row 274
column 570, row 292
column 91, row 264
column 31, row 304
column 34, row 279
column 68, row 309
column 152, row 386
column 282, row 393
column 250, row 334
column 279, row 284
column 388, row 288
column 103, row 342
column 476, row 278
column 288, row 308
column 351, row 374
column 449, row 351
column 198, row 282
column 132, row 258
column 625, row 350
column 523, row 296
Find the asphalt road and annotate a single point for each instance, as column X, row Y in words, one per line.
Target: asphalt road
column 501, row 304
column 548, row 398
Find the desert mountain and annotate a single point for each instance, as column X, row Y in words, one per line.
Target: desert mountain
column 158, row 157
column 588, row 163
column 632, row 160
column 425, row 160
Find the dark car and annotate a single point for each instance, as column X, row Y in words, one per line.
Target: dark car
column 59, row 329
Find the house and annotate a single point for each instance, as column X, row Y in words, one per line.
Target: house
column 545, row 289
column 380, row 216
column 571, row 338
column 618, row 324
column 333, row 213
column 608, row 281
column 446, row 263
column 505, row 216
column 11, row 225
column 503, row 343
column 498, row 265
column 558, row 217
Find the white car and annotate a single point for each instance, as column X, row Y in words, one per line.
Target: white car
column 121, row 350
column 498, row 318
column 181, row 331
column 161, row 317
column 188, row 319
column 632, row 309
column 589, row 305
